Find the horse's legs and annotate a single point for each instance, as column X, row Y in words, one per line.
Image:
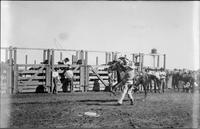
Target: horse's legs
column 130, row 94
column 158, row 85
column 154, row 83
column 145, row 90
column 120, row 101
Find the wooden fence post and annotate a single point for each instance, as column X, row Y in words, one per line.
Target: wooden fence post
column 106, row 57
column 26, row 61
column 164, row 64
column 77, row 54
column 86, row 71
column 60, row 55
column 44, row 55
column 52, row 68
column 158, row 61
column 154, row 63
column 109, row 57
column 6, row 55
column 140, row 62
column 11, row 69
column 48, row 72
column 15, row 72
column 97, row 61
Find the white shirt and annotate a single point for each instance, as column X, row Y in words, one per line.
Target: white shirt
column 157, row 74
column 55, row 74
column 69, row 74
column 162, row 75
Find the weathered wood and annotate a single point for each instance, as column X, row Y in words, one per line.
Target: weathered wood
column 6, row 54
column 52, row 67
column 24, row 83
column 32, row 71
column 95, row 77
column 26, row 61
column 33, row 78
column 158, row 61
column 82, row 76
column 44, row 55
column 15, row 72
column 97, row 60
column 106, row 58
column 61, row 56
column 100, row 78
column 30, row 65
column 81, row 55
column 11, row 69
column 48, row 72
column 164, row 64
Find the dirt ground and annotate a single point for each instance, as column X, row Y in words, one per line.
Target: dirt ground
column 168, row 110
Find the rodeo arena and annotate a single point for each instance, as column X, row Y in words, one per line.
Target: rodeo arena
column 62, row 90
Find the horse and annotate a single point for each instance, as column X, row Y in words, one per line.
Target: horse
column 127, row 75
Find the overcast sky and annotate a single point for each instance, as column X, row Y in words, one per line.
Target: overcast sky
column 131, row 26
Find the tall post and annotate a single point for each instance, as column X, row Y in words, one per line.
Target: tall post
column 11, row 69
column 61, row 56
column 77, row 55
column 109, row 57
column 48, row 72
column 106, row 55
column 15, row 72
column 158, row 61
column 52, row 67
column 26, row 61
column 140, row 62
column 86, row 71
column 44, row 55
column 6, row 55
column 97, row 61
column 81, row 56
column 164, row 64
column 154, row 61
column 113, row 56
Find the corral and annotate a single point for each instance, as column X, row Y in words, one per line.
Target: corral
column 26, row 77
column 169, row 110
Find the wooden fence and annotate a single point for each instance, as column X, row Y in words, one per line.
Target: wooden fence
column 20, row 78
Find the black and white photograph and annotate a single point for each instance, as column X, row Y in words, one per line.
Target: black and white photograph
column 100, row 64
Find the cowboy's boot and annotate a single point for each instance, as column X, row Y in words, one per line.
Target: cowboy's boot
column 132, row 102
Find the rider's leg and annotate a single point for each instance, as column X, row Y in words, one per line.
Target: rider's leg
column 130, row 94
column 125, row 89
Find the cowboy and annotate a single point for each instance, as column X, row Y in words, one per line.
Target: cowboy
column 69, row 78
column 162, row 79
column 56, row 80
column 128, row 80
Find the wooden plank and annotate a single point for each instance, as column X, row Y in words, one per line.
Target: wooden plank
column 31, row 65
column 28, row 91
column 31, row 71
column 31, row 83
column 95, row 77
column 98, row 76
column 35, row 78
column 100, row 72
column 28, row 87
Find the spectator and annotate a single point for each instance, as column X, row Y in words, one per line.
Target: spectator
column 56, row 80
column 68, row 79
column 162, row 79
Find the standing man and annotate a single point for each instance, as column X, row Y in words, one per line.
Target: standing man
column 69, row 78
column 56, row 80
column 162, row 79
